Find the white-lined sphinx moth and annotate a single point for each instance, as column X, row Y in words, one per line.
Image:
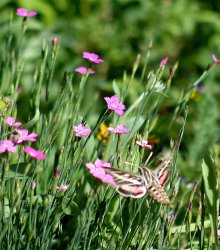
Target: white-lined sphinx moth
column 149, row 181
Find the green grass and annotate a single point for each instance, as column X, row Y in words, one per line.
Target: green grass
column 90, row 214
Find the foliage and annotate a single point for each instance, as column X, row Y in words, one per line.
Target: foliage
column 39, row 87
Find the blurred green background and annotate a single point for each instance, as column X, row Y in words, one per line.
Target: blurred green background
column 119, row 30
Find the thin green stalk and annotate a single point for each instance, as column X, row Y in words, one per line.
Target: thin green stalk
column 54, row 53
column 146, row 60
column 130, row 224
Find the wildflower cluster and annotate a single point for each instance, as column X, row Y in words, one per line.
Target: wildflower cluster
column 18, row 137
column 37, row 199
column 113, row 104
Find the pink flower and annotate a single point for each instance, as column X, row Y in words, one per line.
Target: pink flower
column 218, row 232
column 163, row 62
column 10, row 121
column 98, row 171
column 24, row 136
column 92, row 57
column 114, row 104
column 63, row 187
column 54, row 40
column 215, row 59
column 25, row 13
column 81, row 130
column 121, row 129
column 33, row 185
column 144, row 144
column 7, row 146
column 83, row 70
column 33, row 153
column 100, row 164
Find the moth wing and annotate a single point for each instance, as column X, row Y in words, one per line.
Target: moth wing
column 154, row 188
column 134, row 191
column 158, row 193
column 162, row 172
column 127, row 184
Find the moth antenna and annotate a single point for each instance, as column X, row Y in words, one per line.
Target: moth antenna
column 129, row 163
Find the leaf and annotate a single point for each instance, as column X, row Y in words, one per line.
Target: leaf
column 17, row 170
column 113, row 208
column 135, row 104
column 34, row 120
column 116, row 88
column 90, row 148
column 7, row 208
column 133, row 124
column 35, row 199
column 69, row 207
column 22, row 170
column 211, row 192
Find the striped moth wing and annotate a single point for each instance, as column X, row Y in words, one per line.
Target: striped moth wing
column 162, row 171
column 128, row 184
column 156, row 179
column 154, row 188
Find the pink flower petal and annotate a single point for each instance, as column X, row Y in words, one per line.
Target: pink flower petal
column 83, row 70
column 114, row 104
column 7, row 145
column 214, row 57
column 33, row 185
column 92, row 57
column 98, row 171
column 163, row 62
column 24, row 136
column 33, row 153
column 81, row 130
column 23, row 12
column 108, row 179
column 63, row 187
column 144, row 144
column 10, row 121
column 54, row 40
column 32, row 13
column 119, row 130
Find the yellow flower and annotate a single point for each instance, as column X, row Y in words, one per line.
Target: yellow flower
column 195, row 95
column 4, row 104
column 102, row 133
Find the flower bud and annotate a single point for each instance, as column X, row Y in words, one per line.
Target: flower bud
column 54, row 40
